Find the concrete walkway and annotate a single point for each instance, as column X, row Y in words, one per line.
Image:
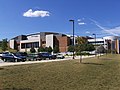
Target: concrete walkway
column 1, row 61
column 42, row 61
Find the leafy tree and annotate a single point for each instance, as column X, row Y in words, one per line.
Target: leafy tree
column 100, row 49
column 81, row 40
column 4, row 45
column 41, row 49
column 56, row 49
column 32, row 50
column 70, row 48
column 83, row 47
column 49, row 50
column 46, row 49
column 89, row 47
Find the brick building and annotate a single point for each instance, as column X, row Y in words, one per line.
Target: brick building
column 24, row 43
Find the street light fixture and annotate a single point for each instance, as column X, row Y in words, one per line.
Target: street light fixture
column 73, row 37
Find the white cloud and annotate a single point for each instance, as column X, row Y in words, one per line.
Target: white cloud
column 79, row 20
column 81, row 23
column 113, row 31
column 37, row 13
column 87, row 32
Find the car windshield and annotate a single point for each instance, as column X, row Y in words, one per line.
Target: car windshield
column 21, row 54
column 45, row 54
column 9, row 54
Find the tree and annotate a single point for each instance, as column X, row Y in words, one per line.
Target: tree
column 41, row 49
column 32, row 50
column 46, row 49
column 49, row 50
column 81, row 40
column 70, row 48
column 79, row 48
column 89, row 47
column 4, row 45
column 83, row 47
column 100, row 50
column 56, row 49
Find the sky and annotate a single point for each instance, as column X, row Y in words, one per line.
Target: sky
column 22, row 17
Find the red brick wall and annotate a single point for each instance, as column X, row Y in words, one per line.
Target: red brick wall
column 63, row 43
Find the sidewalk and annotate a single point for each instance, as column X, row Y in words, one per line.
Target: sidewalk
column 1, row 61
column 28, row 62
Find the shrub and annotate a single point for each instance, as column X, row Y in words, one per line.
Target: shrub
column 32, row 50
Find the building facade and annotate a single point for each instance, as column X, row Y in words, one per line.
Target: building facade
column 111, row 43
column 24, row 43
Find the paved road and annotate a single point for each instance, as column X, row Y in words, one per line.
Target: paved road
column 31, row 62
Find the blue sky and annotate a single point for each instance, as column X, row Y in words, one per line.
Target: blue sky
column 18, row 17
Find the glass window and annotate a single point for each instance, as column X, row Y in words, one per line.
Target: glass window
column 28, row 45
column 36, row 44
column 22, row 45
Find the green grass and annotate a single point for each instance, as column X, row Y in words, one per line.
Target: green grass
column 92, row 74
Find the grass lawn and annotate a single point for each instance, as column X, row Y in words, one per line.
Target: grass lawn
column 92, row 74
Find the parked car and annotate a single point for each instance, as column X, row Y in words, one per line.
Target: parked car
column 54, row 56
column 40, row 56
column 10, row 57
column 33, row 57
column 3, row 54
column 60, row 56
column 45, row 55
column 21, row 55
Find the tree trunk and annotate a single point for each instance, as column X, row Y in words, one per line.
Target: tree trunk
column 80, row 59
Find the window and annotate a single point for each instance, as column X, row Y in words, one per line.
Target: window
column 22, row 45
column 28, row 45
column 36, row 44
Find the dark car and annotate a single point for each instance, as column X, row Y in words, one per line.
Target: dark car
column 54, row 56
column 21, row 55
column 45, row 55
column 33, row 57
column 10, row 57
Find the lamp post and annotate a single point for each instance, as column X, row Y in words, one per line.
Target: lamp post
column 73, row 37
column 95, row 42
